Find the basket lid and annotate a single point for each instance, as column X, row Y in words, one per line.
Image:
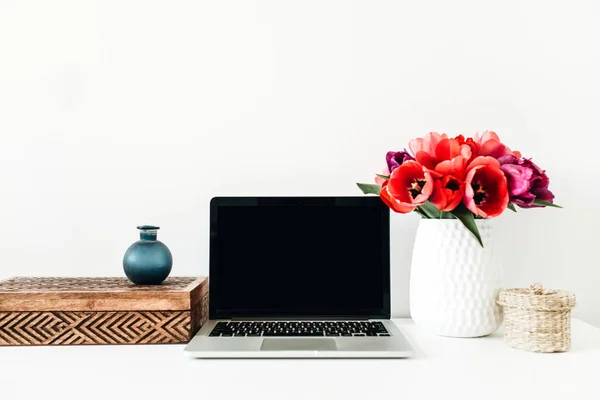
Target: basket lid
column 537, row 298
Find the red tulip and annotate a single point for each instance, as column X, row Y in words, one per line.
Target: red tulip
column 474, row 147
column 442, row 156
column 391, row 202
column 486, row 191
column 410, row 186
column 448, row 192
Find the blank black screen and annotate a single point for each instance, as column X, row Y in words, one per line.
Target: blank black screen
column 300, row 260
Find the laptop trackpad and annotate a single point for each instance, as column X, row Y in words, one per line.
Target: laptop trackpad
column 298, row 344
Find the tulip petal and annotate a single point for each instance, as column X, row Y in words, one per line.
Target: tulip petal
column 415, row 145
column 401, row 180
column 489, row 135
column 543, row 194
column 426, row 160
column 465, row 151
column 451, row 167
column 455, row 201
column 507, row 159
column 447, row 149
column 468, row 198
column 437, row 197
column 447, row 198
column 483, row 161
column 525, row 200
column 492, row 148
column 426, row 190
column 457, row 196
column 400, row 186
column 492, row 180
column 431, row 140
column 519, row 178
column 394, row 204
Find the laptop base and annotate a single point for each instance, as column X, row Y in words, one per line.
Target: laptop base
column 393, row 346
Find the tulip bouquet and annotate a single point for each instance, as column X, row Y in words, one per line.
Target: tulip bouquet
column 467, row 179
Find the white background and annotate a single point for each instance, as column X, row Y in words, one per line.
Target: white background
column 117, row 113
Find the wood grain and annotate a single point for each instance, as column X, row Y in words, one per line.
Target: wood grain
column 70, row 311
column 99, row 294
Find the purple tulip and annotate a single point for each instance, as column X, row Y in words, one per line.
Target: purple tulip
column 395, row 159
column 526, row 181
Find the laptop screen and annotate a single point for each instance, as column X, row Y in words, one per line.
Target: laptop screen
column 299, row 257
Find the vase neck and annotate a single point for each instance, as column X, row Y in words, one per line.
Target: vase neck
column 148, row 232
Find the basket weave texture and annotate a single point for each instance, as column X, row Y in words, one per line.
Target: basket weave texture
column 537, row 319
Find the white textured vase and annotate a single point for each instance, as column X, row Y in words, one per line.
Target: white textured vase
column 454, row 282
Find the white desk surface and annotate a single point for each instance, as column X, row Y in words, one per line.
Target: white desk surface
column 443, row 368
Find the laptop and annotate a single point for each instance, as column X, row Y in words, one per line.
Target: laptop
column 299, row 277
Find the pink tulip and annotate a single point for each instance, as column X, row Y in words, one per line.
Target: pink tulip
column 526, row 181
column 489, row 144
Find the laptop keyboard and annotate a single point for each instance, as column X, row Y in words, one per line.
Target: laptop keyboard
column 299, row 328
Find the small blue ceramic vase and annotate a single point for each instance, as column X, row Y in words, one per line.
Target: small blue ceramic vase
column 147, row 261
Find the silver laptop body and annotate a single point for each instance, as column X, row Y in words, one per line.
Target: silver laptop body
column 299, row 277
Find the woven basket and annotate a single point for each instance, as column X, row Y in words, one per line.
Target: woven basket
column 537, row 319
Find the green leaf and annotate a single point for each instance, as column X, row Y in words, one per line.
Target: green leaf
column 369, row 188
column 387, row 178
column 446, row 215
column 511, row 207
column 420, row 213
column 538, row 202
column 468, row 219
column 429, row 210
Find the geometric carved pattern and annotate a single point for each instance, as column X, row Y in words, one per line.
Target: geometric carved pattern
column 51, row 284
column 105, row 310
column 118, row 327
column 199, row 316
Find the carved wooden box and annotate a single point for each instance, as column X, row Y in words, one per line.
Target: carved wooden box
column 70, row 311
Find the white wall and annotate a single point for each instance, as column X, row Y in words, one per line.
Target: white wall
column 118, row 113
